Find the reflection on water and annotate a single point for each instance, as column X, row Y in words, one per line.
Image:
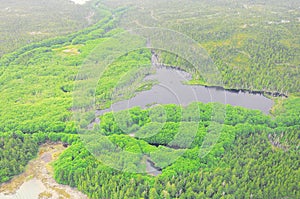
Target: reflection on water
column 171, row 90
column 29, row 190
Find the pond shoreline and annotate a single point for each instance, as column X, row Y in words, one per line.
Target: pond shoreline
column 173, row 90
column 155, row 62
column 255, row 92
column 39, row 171
column 234, row 90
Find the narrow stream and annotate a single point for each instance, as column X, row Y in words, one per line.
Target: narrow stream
column 151, row 169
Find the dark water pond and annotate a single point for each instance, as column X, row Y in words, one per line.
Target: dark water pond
column 172, row 90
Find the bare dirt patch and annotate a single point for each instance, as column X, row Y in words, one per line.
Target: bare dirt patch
column 71, row 51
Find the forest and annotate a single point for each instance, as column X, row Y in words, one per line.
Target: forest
column 254, row 44
column 23, row 22
column 200, row 152
column 251, row 159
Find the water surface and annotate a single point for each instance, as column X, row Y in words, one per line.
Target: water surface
column 172, row 90
column 41, row 181
column 30, row 189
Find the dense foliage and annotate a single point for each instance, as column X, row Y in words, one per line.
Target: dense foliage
column 17, row 148
column 23, row 22
column 37, row 80
column 255, row 156
column 15, row 152
column 254, row 44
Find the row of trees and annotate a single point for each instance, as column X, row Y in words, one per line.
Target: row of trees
column 170, row 116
